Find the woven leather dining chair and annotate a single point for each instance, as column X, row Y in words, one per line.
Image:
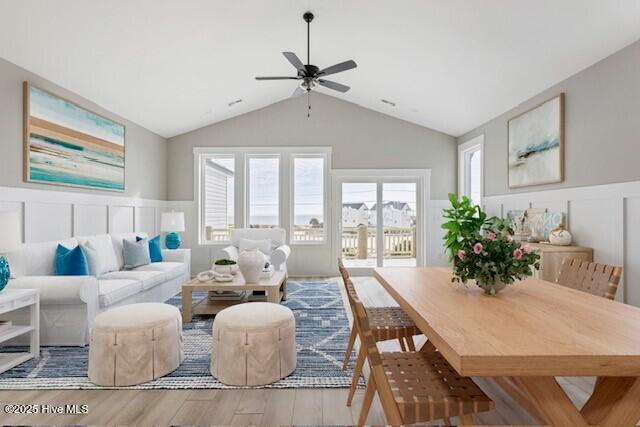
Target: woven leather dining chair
column 387, row 323
column 416, row 387
column 597, row 279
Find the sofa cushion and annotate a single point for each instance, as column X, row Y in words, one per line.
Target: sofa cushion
column 104, row 247
column 173, row 269
column 263, row 246
column 111, row 291
column 71, row 262
column 36, row 259
column 135, row 254
column 149, row 279
column 117, row 245
column 276, row 235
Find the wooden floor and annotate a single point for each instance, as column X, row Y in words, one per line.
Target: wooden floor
column 249, row 406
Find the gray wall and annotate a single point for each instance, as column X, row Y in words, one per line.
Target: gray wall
column 146, row 152
column 602, row 127
column 360, row 138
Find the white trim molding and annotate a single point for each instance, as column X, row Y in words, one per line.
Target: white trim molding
column 464, row 152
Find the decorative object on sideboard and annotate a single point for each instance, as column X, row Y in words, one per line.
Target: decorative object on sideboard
column 251, row 263
column 172, row 223
column 10, row 239
column 536, row 145
column 560, row 236
column 518, row 221
column 225, row 266
column 533, row 224
column 66, row 144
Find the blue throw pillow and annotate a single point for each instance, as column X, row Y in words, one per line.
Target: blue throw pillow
column 135, row 254
column 155, row 248
column 71, row 262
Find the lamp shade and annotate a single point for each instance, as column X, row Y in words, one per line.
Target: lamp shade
column 10, row 231
column 172, row 221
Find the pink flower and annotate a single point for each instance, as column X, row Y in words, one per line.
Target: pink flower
column 509, row 238
column 527, row 249
column 461, row 254
column 517, row 254
column 491, row 235
column 477, row 248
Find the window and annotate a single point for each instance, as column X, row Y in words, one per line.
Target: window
column 218, row 182
column 264, row 192
column 262, row 187
column 470, row 173
column 308, row 199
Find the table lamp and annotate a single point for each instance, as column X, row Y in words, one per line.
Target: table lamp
column 172, row 223
column 10, row 239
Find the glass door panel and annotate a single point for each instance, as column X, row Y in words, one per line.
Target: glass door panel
column 399, row 208
column 358, row 232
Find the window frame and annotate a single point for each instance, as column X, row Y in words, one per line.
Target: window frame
column 465, row 150
column 202, row 188
column 247, row 185
column 285, row 191
column 325, row 197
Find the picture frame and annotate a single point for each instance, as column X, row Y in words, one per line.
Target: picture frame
column 535, row 144
column 67, row 144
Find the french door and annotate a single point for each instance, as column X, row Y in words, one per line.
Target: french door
column 380, row 218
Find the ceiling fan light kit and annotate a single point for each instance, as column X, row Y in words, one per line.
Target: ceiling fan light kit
column 310, row 76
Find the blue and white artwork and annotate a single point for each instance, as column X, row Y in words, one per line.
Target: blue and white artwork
column 69, row 145
column 536, row 145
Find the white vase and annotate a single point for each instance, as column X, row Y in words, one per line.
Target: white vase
column 559, row 236
column 251, row 263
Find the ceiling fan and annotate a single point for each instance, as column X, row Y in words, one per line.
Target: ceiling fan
column 310, row 75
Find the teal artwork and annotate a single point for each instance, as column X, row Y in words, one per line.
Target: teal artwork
column 69, row 145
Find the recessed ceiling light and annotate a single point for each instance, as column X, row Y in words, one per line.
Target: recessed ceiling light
column 232, row 103
column 386, row 101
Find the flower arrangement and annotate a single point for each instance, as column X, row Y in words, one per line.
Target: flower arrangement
column 483, row 249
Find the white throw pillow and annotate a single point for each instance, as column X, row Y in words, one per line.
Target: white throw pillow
column 93, row 259
column 263, row 246
column 104, row 247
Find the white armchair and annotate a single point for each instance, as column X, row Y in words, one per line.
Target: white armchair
column 279, row 252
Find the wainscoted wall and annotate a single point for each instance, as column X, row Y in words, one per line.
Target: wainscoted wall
column 604, row 217
column 53, row 215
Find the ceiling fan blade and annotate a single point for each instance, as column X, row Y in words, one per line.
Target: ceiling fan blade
column 276, row 78
column 333, row 85
column 343, row 66
column 298, row 92
column 294, row 60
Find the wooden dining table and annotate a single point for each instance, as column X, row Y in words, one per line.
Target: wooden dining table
column 528, row 334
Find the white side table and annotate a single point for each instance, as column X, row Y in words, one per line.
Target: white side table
column 12, row 300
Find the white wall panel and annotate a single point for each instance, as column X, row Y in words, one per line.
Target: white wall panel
column 121, row 219
column 12, row 206
column 47, row 221
column 146, row 220
column 631, row 252
column 89, row 220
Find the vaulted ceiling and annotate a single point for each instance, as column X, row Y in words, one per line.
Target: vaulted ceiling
column 173, row 66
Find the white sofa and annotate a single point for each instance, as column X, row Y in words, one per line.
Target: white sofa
column 68, row 304
column 279, row 251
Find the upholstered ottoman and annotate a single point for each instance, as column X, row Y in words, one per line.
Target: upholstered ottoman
column 135, row 343
column 253, row 344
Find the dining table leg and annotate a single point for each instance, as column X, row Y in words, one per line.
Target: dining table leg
column 544, row 398
column 614, row 402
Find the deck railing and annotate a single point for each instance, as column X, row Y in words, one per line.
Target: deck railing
column 357, row 242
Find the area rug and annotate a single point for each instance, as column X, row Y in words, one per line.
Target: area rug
column 322, row 332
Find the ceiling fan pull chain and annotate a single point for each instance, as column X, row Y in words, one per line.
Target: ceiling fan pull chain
column 308, row 104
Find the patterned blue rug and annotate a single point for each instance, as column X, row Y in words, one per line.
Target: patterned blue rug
column 322, row 332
